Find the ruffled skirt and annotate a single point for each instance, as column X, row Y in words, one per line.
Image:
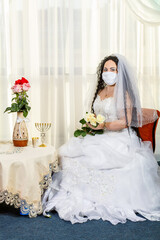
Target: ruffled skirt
column 111, row 176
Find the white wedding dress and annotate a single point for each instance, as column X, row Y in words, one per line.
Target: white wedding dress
column 110, row 176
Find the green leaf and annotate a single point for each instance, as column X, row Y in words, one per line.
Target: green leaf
column 86, row 129
column 21, row 104
column 25, row 113
column 13, row 104
column 99, row 131
column 14, row 107
column 7, row 109
column 83, row 134
column 77, row 133
column 82, row 121
column 28, row 108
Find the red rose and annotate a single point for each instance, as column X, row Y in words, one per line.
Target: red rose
column 24, row 80
column 18, row 82
column 21, row 81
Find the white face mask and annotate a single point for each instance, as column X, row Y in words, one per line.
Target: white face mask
column 110, row 78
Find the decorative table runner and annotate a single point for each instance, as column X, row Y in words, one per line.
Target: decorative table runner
column 24, row 174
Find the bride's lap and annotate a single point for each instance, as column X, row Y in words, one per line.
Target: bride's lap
column 107, row 151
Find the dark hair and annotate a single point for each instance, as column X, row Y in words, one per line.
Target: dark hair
column 101, row 84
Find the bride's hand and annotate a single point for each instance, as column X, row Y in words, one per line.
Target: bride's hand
column 100, row 126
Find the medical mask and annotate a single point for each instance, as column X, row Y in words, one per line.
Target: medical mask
column 110, row 78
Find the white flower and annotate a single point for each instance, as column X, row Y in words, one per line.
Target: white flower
column 93, row 121
column 89, row 116
column 100, row 118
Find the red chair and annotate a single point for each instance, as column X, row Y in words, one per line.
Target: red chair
column 148, row 131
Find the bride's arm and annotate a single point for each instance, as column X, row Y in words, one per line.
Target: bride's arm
column 116, row 125
column 121, row 123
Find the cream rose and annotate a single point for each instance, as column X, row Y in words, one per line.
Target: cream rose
column 89, row 116
column 100, row 118
column 93, row 121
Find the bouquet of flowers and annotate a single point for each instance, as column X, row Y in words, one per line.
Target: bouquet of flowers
column 20, row 100
column 94, row 121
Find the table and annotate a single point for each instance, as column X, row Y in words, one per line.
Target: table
column 24, row 175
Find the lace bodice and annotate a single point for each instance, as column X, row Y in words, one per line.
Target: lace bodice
column 105, row 107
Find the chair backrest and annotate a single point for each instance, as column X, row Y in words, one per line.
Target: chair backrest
column 148, row 131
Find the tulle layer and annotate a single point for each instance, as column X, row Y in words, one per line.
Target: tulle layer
column 111, row 176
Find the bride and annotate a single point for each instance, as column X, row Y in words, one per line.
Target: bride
column 112, row 176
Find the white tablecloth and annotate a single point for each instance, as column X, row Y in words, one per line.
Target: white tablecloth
column 24, row 174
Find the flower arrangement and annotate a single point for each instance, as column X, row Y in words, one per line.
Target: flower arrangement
column 94, row 121
column 20, row 101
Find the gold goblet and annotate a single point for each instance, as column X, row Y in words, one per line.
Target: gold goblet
column 43, row 128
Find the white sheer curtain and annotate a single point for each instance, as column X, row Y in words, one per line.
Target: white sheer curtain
column 57, row 44
column 147, row 11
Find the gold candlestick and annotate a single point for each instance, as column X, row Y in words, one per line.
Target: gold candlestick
column 43, row 128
